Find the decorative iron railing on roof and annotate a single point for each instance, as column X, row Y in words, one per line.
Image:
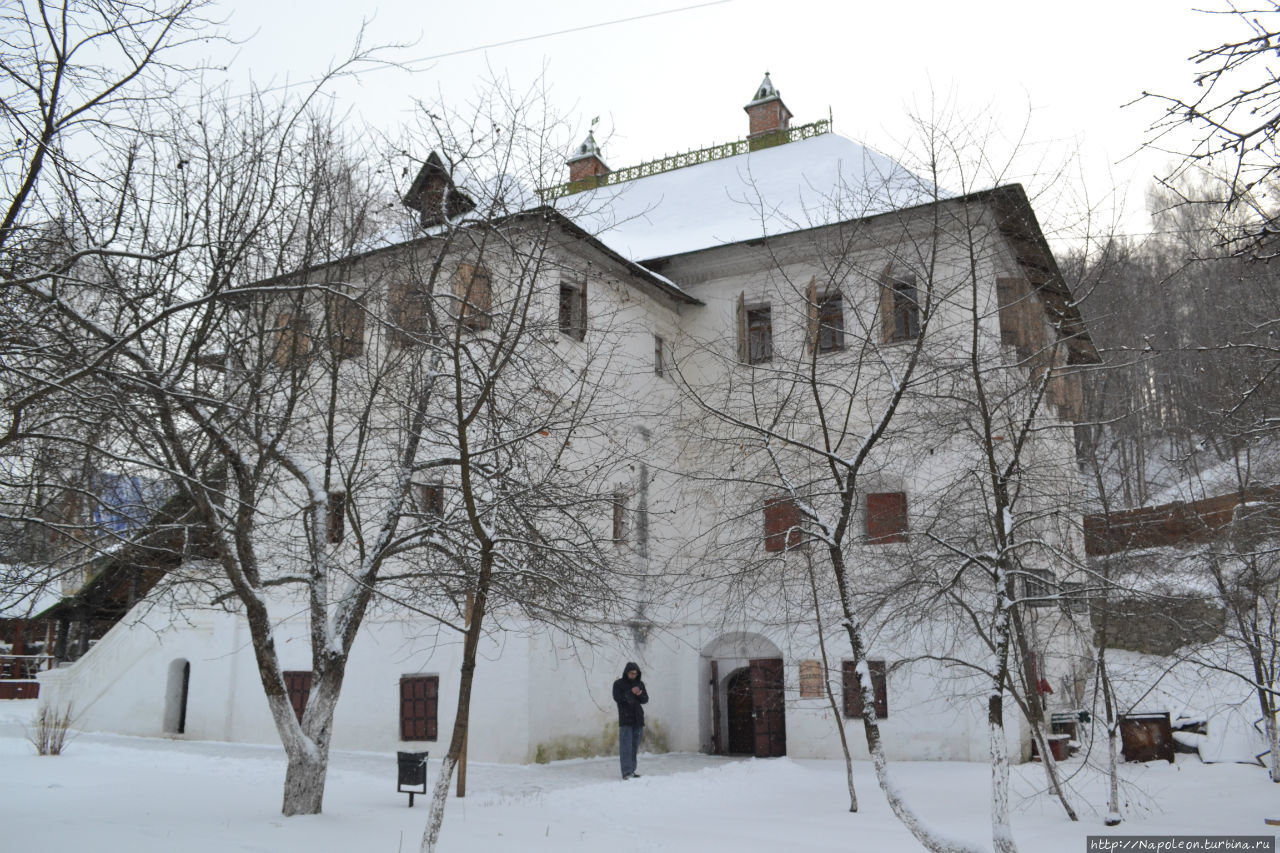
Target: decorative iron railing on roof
column 689, row 158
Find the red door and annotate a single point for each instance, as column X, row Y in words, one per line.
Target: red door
column 768, row 708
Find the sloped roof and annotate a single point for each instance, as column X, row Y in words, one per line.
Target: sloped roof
column 821, row 180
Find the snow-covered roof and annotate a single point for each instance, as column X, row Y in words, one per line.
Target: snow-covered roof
column 802, row 184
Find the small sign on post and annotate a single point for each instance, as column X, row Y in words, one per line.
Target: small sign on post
column 412, row 773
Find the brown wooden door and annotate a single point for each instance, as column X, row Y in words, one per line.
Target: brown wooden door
column 742, row 735
column 768, row 708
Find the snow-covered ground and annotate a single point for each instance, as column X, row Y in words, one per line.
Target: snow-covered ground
column 111, row 793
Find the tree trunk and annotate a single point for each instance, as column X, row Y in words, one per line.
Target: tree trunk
column 304, row 781
column 1113, row 732
column 1001, row 832
column 826, row 684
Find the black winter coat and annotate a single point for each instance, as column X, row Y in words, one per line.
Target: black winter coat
column 629, row 711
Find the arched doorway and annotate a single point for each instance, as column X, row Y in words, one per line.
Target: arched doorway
column 745, row 703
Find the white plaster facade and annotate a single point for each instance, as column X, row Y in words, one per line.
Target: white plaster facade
column 538, row 693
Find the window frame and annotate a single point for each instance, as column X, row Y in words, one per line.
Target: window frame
column 345, row 316
column 830, row 335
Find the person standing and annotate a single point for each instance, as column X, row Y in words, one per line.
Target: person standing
column 630, row 694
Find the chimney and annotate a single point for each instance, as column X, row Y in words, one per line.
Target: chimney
column 769, row 117
column 585, row 164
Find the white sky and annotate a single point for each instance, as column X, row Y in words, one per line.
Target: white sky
column 1055, row 75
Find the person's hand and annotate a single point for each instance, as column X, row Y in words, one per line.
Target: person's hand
column 636, row 690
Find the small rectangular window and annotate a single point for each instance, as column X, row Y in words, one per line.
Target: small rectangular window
column 811, row 679
column 782, row 529
column 899, row 308
column 759, row 335
column 886, row 517
column 473, row 287
column 419, row 695
column 659, row 360
column 879, row 689
column 346, row 326
column 619, row 517
column 292, row 339
column 297, row 684
column 337, row 516
column 409, row 305
column 428, row 499
column 831, row 323
column 1038, row 588
column 573, row 309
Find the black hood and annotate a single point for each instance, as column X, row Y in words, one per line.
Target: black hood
column 630, row 666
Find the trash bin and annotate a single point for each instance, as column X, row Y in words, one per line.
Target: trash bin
column 1059, row 745
column 412, row 774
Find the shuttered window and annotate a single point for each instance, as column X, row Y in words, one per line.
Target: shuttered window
column 879, row 689
column 886, row 517
column 346, row 326
column 419, row 695
column 297, row 684
column 781, row 524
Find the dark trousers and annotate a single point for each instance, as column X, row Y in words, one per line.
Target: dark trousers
column 629, row 738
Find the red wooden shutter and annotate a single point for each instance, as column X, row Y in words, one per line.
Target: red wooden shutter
column 419, row 695
column 298, row 685
column 781, row 524
column 886, row 517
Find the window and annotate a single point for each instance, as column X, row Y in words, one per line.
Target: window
column 759, row 335
column 879, row 689
column 781, row 524
column 899, row 309
column 1037, row 587
column 292, row 339
column 573, row 309
column 428, row 498
column 346, row 326
column 419, row 695
column 1075, row 597
column 473, row 288
column 886, row 517
column 811, row 679
column 298, row 685
column 408, row 303
column 831, row 323
column 337, row 516
column 619, row 518
column 659, row 360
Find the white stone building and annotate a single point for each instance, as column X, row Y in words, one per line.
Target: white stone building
column 713, row 281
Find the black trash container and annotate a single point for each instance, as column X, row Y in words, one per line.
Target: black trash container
column 412, row 773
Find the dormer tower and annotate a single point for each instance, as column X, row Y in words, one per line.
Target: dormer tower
column 767, row 114
column 585, row 163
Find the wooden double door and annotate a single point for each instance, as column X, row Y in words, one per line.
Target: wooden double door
column 757, row 710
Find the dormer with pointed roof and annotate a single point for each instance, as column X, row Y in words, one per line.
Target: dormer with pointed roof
column 434, row 194
column 585, row 162
column 767, row 114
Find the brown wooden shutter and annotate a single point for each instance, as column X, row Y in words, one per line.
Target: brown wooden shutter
column 744, row 344
column 812, row 316
column 582, row 311
column 298, row 685
column 781, row 524
column 346, row 326
column 419, row 695
column 473, row 289
column 886, row 517
column 886, row 305
column 337, row 516
column 879, row 688
column 293, row 339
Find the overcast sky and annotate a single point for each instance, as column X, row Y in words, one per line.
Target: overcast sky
column 1053, row 77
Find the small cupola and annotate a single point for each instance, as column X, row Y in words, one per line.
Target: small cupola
column 434, row 195
column 766, row 112
column 586, row 162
